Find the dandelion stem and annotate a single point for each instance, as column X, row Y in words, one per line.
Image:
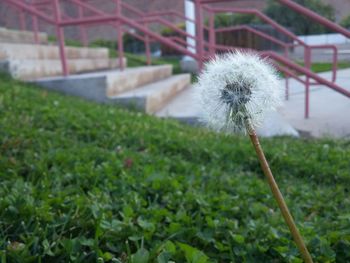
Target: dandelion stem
column 277, row 194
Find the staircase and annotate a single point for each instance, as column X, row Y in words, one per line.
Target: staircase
column 94, row 75
column 25, row 37
column 147, row 89
column 25, row 60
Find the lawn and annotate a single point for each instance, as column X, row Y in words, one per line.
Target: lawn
column 82, row 182
column 322, row 67
column 140, row 60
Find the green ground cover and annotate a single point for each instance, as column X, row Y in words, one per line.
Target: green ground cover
column 322, row 67
column 140, row 60
column 81, row 182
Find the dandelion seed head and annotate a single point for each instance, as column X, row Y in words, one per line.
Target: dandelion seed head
column 235, row 87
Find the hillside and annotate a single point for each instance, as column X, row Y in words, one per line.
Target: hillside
column 82, row 182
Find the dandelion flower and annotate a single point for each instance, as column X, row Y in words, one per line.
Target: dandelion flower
column 235, row 87
column 235, row 91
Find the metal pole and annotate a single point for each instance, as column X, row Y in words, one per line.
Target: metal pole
column 335, row 63
column 199, row 39
column 290, row 64
column 6, row 19
column 22, row 20
column 316, row 17
column 286, row 75
column 148, row 48
column 35, row 29
column 307, row 59
column 212, row 34
column 60, row 37
column 120, row 36
column 82, row 28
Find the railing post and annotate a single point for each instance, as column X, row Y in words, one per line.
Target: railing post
column 199, row 38
column 35, row 29
column 22, row 20
column 286, row 53
column 82, row 29
column 307, row 61
column 335, row 63
column 148, row 48
column 60, row 37
column 5, row 17
column 120, row 36
column 212, row 34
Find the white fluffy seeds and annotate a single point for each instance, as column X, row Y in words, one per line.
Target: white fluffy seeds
column 235, row 87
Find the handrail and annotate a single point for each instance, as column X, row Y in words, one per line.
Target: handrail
column 316, row 17
column 306, row 72
column 203, row 48
column 166, row 23
column 31, row 10
column 129, row 22
column 259, row 14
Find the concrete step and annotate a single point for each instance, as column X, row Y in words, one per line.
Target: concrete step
column 152, row 97
column 36, row 69
column 16, row 36
column 183, row 108
column 31, row 51
column 137, row 77
column 101, row 86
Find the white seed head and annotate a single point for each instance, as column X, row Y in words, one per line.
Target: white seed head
column 236, row 87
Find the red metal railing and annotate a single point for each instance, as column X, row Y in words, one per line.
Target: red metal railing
column 88, row 14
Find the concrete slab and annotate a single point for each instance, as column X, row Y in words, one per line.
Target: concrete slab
column 35, row 69
column 31, row 52
column 15, row 36
column 184, row 109
column 329, row 110
column 100, row 86
column 154, row 96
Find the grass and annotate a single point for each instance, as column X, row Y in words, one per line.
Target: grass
column 82, row 182
column 323, row 67
column 140, row 60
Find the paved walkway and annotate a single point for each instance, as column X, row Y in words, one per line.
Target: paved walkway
column 183, row 109
column 329, row 111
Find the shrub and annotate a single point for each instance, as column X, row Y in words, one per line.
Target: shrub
column 346, row 22
column 300, row 24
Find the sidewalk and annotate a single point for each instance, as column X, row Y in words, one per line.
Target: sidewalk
column 329, row 110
